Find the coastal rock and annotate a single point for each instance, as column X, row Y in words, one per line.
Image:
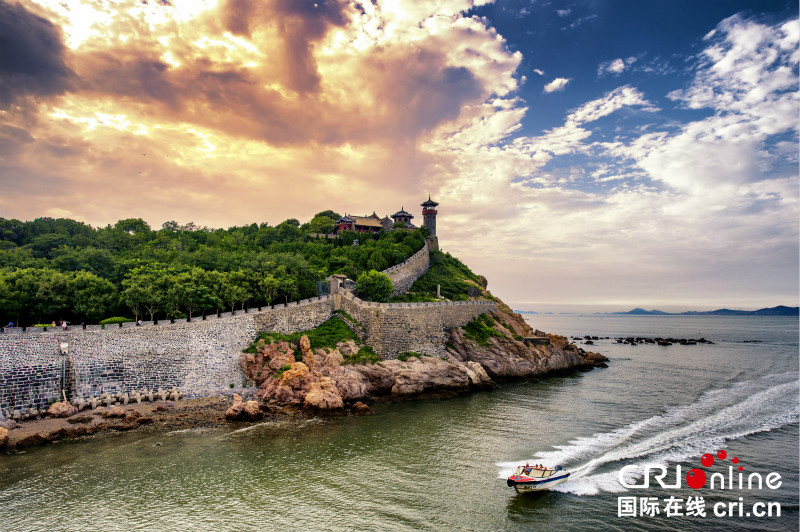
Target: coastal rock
column 425, row 375
column 115, row 411
column 79, row 419
column 3, row 437
column 505, row 357
column 62, row 409
column 378, row 379
column 132, row 416
column 323, row 397
column 360, row 409
column 478, row 378
column 266, row 361
column 8, row 424
column 243, row 410
column 32, row 440
column 163, row 406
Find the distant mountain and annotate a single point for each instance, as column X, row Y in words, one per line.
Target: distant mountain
column 525, row 312
column 780, row 310
column 643, row 312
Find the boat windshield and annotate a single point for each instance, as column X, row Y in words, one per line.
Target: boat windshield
column 534, row 473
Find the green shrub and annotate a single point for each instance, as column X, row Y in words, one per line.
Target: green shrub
column 366, row 355
column 374, row 286
column 115, row 319
column 326, row 335
column 350, row 318
column 287, row 367
column 408, row 354
column 481, row 328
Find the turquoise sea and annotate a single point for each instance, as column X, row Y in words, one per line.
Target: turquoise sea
column 439, row 465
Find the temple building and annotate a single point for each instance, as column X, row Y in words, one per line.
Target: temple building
column 374, row 224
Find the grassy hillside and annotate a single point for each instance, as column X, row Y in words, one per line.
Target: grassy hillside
column 457, row 281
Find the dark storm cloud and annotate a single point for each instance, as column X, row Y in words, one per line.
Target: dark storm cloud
column 299, row 24
column 127, row 74
column 31, row 56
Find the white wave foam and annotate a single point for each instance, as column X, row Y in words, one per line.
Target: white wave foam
column 681, row 434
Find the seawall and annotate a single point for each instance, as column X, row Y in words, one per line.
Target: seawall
column 395, row 328
column 200, row 357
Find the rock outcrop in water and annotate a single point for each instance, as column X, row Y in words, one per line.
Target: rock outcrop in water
column 506, row 357
column 318, row 381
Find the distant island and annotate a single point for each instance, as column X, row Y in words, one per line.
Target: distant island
column 780, row 310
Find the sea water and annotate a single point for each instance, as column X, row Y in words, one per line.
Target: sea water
column 440, row 465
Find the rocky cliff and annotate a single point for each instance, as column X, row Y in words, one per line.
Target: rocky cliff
column 319, row 381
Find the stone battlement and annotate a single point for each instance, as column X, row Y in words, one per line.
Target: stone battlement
column 201, row 356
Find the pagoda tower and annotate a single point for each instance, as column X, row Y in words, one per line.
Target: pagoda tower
column 429, row 215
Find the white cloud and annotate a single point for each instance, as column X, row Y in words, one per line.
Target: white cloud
column 538, row 71
column 557, row 84
column 615, row 66
column 563, row 12
column 625, row 96
column 675, row 215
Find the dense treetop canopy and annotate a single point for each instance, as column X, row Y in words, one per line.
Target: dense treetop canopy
column 62, row 269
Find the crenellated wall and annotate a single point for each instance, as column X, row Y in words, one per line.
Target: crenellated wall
column 404, row 274
column 395, row 328
column 201, row 357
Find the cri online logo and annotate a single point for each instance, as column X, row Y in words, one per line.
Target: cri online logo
column 696, row 478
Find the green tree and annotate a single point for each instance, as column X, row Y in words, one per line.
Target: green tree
column 92, row 297
column 374, row 286
column 132, row 226
column 321, row 224
column 234, row 289
column 144, row 288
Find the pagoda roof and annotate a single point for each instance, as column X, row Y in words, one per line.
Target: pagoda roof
column 429, row 203
column 402, row 213
column 368, row 221
column 346, row 219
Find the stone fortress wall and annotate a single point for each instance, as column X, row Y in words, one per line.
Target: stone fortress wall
column 403, row 275
column 201, row 356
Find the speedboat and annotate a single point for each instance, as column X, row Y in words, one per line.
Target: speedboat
column 527, row 478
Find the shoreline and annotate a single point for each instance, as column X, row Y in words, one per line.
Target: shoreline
column 197, row 412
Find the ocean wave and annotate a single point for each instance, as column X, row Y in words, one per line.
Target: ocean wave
column 684, row 432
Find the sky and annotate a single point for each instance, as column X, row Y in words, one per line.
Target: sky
column 586, row 155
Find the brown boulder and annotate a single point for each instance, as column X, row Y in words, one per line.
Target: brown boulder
column 79, row 419
column 163, row 406
column 62, row 409
column 243, row 410
column 323, row 397
column 32, row 441
column 3, row 437
column 307, row 354
column 360, row 409
column 132, row 416
column 116, row 411
column 426, row 375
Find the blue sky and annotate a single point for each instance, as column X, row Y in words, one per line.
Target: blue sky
column 588, row 155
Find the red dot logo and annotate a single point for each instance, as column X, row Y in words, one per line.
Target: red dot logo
column 707, row 460
column 721, row 454
column 696, row 478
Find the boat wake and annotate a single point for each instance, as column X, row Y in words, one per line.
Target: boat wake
column 681, row 434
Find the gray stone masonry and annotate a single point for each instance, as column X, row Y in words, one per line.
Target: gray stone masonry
column 403, row 275
column 395, row 328
column 201, row 356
